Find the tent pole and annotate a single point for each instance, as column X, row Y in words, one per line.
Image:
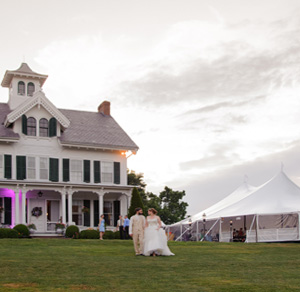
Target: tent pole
column 299, row 226
column 220, row 230
column 180, row 231
column 205, row 234
column 251, row 226
column 256, row 227
column 197, row 231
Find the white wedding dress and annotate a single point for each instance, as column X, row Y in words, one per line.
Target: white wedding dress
column 155, row 240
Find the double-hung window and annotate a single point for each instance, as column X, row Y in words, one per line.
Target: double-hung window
column 31, row 169
column 76, row 170
column 106, row 172
column 44, row 168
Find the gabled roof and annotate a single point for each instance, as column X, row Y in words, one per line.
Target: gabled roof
column 23, row 71
column 38, row 98
column 95, row 129
column 6, row 133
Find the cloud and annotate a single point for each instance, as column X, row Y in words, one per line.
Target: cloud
column 225, row 104
column 223, row 62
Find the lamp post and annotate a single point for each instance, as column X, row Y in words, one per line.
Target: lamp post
column 231, row 235
column 204, row 221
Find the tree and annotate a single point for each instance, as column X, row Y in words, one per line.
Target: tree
column 136, row 202
column 173, row 209
column 136, row 179
column 168, row 204
column 152, row 201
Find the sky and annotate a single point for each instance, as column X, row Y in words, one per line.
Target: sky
column 208, row 90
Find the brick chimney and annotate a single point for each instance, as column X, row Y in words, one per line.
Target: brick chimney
column 104, row 108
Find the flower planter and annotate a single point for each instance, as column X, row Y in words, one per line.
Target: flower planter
column 32, row 231
column 59, row 231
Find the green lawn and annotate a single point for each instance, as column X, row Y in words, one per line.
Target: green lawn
column 110, row 265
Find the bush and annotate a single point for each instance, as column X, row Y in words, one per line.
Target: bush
column 8, row 233
column 72, row 231
column 108, row 235
column 22, row 230
column 117, row 235
column 89, row 234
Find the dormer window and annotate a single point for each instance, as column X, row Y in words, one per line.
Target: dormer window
column 44, row 127
column 31, row 127
column 21, row 88
column 30, row 89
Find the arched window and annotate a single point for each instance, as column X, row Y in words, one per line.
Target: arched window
column 31, row 127
column 21, row 88
column 30, row 89
column 44, row 126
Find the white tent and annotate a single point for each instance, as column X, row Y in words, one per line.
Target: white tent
column 268, row 213
column 241, row 192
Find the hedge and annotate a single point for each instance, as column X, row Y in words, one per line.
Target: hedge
column 8, row 233
column 89, row 234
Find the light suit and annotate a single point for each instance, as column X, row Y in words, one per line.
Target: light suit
column 136, row 228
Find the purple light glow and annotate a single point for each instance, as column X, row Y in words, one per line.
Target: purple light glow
column 8, row 193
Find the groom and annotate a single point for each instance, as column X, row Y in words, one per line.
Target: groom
column 136, row 231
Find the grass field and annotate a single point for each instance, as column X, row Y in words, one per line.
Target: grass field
column 93, row 265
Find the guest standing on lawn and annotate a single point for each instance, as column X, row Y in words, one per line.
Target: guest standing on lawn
column 120, row 227
column 102, row 226
column 126, row 227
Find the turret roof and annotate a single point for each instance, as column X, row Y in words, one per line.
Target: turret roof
column 24, row 71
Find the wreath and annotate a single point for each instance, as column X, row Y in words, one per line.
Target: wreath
column 36, row 211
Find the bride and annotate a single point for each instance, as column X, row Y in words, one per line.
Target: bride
column 155, row 239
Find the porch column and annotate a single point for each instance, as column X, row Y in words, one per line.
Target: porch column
column 63, row 206
column 128, row 195
column 24, row 191
column 17, row 207
column 101, row 195
column 70, row 193
column 92, row 223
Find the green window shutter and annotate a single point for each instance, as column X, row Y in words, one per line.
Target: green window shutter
column 24, row 124
column 116, row 172
column 52, row 127
column 7, row 166
column 21, row 167
column 86, row 171
column 53, row 169
column 97, row 172
column 66, row 169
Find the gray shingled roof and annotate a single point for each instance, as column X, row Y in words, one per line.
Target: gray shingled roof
column 95, row 129
column 6, row 132
column 86, row 128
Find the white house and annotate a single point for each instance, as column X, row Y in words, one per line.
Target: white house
column 54, row 162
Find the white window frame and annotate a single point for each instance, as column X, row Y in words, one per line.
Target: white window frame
column 107, row 172
column 30, row 169
column 76, row 170
column 45, row 169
